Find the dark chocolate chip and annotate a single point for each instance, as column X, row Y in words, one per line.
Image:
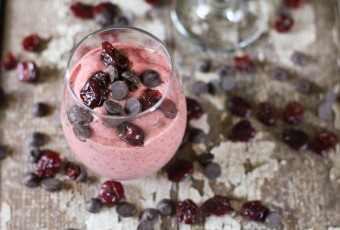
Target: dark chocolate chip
column 279, row 74
column 150, row 78
column 39, row 109
column 168, row 107
column 299, row 58
column 83, row 174
column 93, row 205
column 205, row 158
column 119, row 90
column 132, row 106
column 129, row 15
column 203, row 65
column 120, row 20
column 150, row 214
column 3, row 152
column 214, row 87
column 31, row 180
column 303, row 85
column 113, row 72
column 131, row 76
column 330, row 97
column 145, row 225
column 51, row 184
column 225, row 71
column 199, row 87
column 197, row 136
column 273, row 219
column 228, row 83
column 212, row 170
column 125, row 209
column 36, row 139
column 35, row 155
column 166, row 207
column 112, row 108
column 82, row 132
column 324, row 110
column 78, row 115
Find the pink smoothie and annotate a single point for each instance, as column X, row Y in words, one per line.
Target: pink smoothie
column 104, row 152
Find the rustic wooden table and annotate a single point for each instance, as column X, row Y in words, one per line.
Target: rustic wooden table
column 304, row 187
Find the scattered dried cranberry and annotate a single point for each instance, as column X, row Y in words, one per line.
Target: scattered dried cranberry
column 72, row 171
column 111, row 56
column 153, row 2
column 294, row 4
column 95, row 90
column 168, row 107
column 267, row 113
column 149, row 98
column 243, row 63
column 32, row 43
column 295, row 139
column 293, row 113
column 194, row 109
column 254, row 210
column 81, row 10
column 131, row 134
column 104, row 13
column 283, row 23
column 324, row 142
column 111, row 192
column 240, row 107
column 179, row 170
column 218, row 206
column 187, row 212
column 48, row 165
column 243, row 131
column 28, row 71
column 10, row 62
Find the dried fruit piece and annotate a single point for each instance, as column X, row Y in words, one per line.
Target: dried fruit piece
column 240, row 107
column 10, row 62
column 187, row 212
column 28, row 71
column 324, row 142
column 293, row 112
column 81, row 10
column 283, row 23
column 32, row 43
column 104, row 13
column 243, row 63
column 294, row 4
column 72, row 171
column 267, row 113
column 243, row 131
column 149, row 98
column 254, row 210
column 111, row 56
column 217, row 206
column 295, row 139
column 168, row 107
column 48, row 165
column 131, row 134
column 179, row 170
column 194, row 109
column 111, row 192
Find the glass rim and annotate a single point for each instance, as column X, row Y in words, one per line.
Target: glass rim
column 125, row 117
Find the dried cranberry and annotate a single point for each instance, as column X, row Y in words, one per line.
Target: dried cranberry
column 293, row 113
column 179, row 170
column 131, row 134
column 187, row 212
column 48, row 165
column 104, row 13
column 10, row 62
column 243, row 131
column 111, row 56
column 295, row 139
column 240, row 107
column 28, row 71
column 32, row 43
column 72, row 171
column 149, row 98
column 267, row 113
column 194, row 109
column 153, row 2
column 324, row 142
column 283, row 23
column 81, row 10
column 95, row 90
column 168, row 107
column 294, row 4
column 111, row 192
column 254, row 210
column 243, row 63
column 218, row 206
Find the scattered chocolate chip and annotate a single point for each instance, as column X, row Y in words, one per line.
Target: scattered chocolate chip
column 166, row 207
column 299, row 58
column 129, row 15
column 212, row 170
column 131, row 76
column 150, row 214
column 150, row 78
column 113, row 108
column 303, row 85
column 31, row 180
column 197, row 136
column 120, row 20
column 273, row 219
column 51, row 184
column 36, row 139
column 228, row 83
column 225, row 71
column 203, row 65
column 78, row 115
column 132, row 106
column 145, row 225
column 119, row 90
column 324, row 110
column 125, row 209
column 199, row 87
column 113, row 72
column 168, row 107
column 93, row 205
column 214, row 87
column 279, row 74
column 39, row 109
column 330, row 97
column 3, row 152
column 82, row 132
column 205, row 158
column 295, row 139
column 35, row 155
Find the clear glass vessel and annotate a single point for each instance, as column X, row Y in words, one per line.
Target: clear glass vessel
column 125, row 146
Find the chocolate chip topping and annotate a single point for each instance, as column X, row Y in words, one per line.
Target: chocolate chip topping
column 205, row 158
column 82, row 132
column 78, row 115
column 166, row 207
column 225, row 71
column 197, row 136
column 119, row 90
column 93, row 205
column 36, row 139
column 279, row 74
column 212, row 170
column 112, row 108
column 51, row 184
column 303, row 85
column 35, row 155
column 273, row 219
column 31, row 180
column 131, row 76
column 125, row 209
column 145, row 225
column 132, row 106
column 150, row 214
column 150, row 78
column 39, row 109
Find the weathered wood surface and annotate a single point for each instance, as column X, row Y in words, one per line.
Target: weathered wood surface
column 303, row 186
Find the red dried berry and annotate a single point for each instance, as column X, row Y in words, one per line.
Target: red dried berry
column 10, row 62
column 254, row 210
column 294, row 4
column 218, row 206
column 240, row 107
column 32, row 43
column 187, row 212
column 243, row 63
column 295, row 139
column 194, row 109
column 324, row 142
column 283, row 23
column 152, row 2
column 179, row 170
column 267, row 114
column 243, row 131
column 104, row 13
column 111, row 192
column 28, row 71
column 293, row 113
column 131, row 134
column 149, row 98
column 48, row 165
column 111, row 56
column 81, row 10
column 72, row 171
column 168, row 107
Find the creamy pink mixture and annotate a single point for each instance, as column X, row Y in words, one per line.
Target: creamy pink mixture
column 104, row 152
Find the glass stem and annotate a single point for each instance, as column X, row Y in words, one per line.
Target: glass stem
column 224, row 4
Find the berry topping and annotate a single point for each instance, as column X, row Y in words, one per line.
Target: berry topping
column 104, row 13
column 51, row 184
column 81, row 10
column 300, row 59
column 293, row 113
column 82, row 131
column 243, row 63
column 267, row 113
column 203, row 65
column 78, row 115
column 149, row 98
column 295, row 139
column 32, row 43
column 212, row 170
column 125, row 209
column 179, row 170
column 31, row 180
column 243, row 131
column 294, row 4
column 254, row 210
column 39, row 109
column 27, row 71
column 48, row 165
column 324, row 142
column 150, row 78
column 93, row 205
column 187, row 212
column 194, row 109
column 131, row 76
column 166, row 207
column 111, row 192
column 168, row 107
column 240, row 107
column 111, row 56
column 283, row 23
column 217, row 206
column 119, row 90
column 150, row 214
column 113, row 108
column 10, row 62
column 132, row 106
column 72, row 171
column 36, row 139
column 131, row 134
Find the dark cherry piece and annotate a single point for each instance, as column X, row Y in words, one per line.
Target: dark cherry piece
column 28, row 71
column 267, row 113
column 72, row 170
column 324, row 142
column 293, row 113
column 187, row 212
column 111, row 56
column 283, row 23
column 179, row 170
column 217, row 206
column 254, row 210
column 295, row 139
column 111, row 192
column 243, row 63
column 243, row 131
column 168, row 107
column 149, row 98
column 32, row 43
column 153, row 2
column 81, row 10
column 240, row 107
column 294, row 4
column 10, row 62
column 194, row 109
column 104, row 13
column 48, row 165
column 131, row 134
